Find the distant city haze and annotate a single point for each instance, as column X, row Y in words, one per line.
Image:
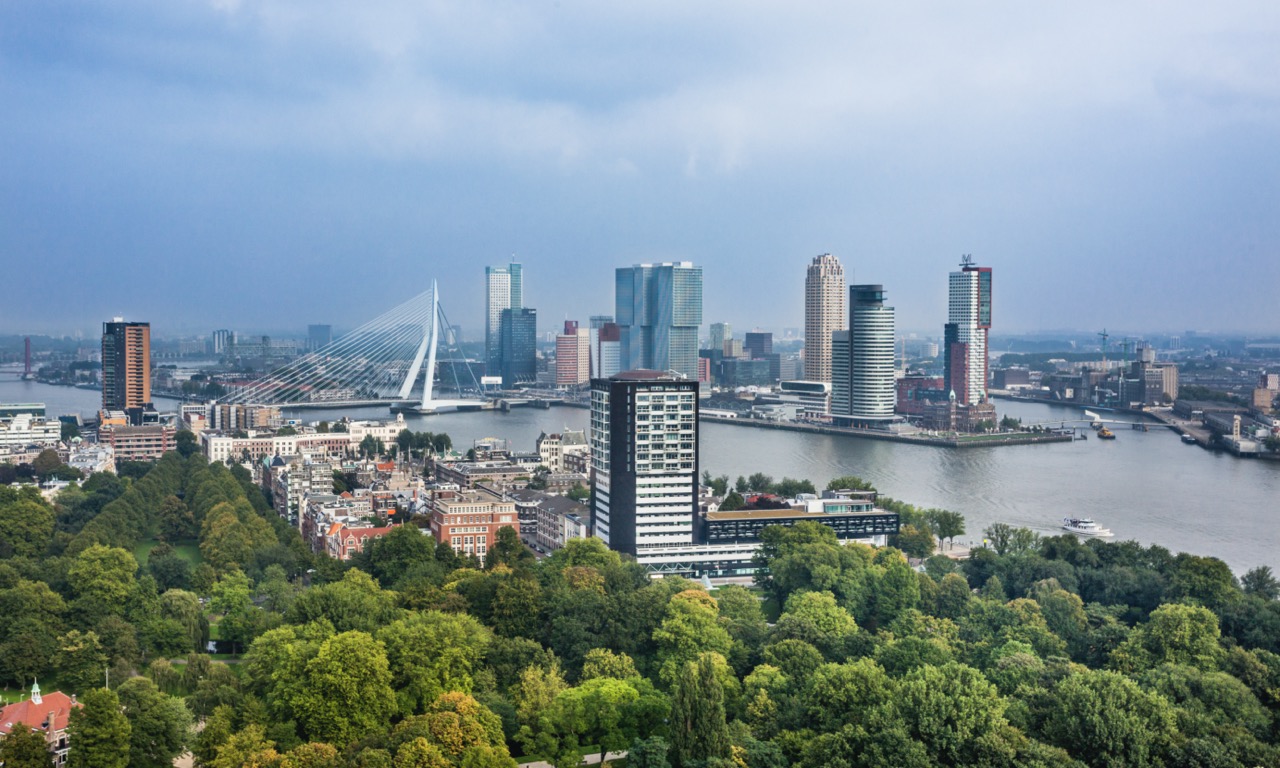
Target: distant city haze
column 233, row 165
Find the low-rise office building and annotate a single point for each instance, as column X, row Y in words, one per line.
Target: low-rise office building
column 469, row 520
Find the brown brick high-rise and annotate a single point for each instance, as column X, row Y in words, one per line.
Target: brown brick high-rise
column 126, row 368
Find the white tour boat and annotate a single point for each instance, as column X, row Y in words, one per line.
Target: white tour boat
column 1085, row 527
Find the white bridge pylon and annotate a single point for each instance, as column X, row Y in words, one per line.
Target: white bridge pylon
column 378, row 362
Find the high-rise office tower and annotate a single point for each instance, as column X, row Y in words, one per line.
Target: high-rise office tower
column 659, row 313
column 839, row 373
column 758, row 344
column 126, row 368
column 866, row 393
column 573, row 355
column 596, row 323
column 518, row 346
column 607, row 351
column 319, row 336
column 824, row 314
column 223, row 341
column 644, row 460
column 965, row 334
column 720, row 333
column 504, row 289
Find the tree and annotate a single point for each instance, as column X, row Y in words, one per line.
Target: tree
column 596, row 713
column 760, row 482
column 102, row 578
column 1261, row 582
column 1105, row 719
column 186, row 442
column 732, row 502
column 430, row 653
column 371, row 447
column 356, row 602
column 248, row 748
column 233, row 599
column 538, row 481
column 849, row 483
column 508, row 550
column 950, row 709
column 579, row 492
column 649, row 753
column 690, row 627
column 46, row 463
column 176, row 521
column 25, row 748
column 699, row 731
column 945, row 524
column 312, row 755
column 534, row 694
column 99, row 732
column 1175, row 634
column 817, row 619
column 26, row 526
column 602, row 662
column 80, row 660
column 346, row 692
column 915, row 542
column 159, row 724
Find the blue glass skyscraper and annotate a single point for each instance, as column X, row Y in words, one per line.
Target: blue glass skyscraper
column 659, row 314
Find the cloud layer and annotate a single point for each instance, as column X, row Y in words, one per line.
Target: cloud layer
column 267, row 163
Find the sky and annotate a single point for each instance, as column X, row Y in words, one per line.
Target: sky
column 265, row 165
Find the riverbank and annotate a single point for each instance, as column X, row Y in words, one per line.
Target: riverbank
column 958, row 441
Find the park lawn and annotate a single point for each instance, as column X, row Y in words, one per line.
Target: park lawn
column 188, row 551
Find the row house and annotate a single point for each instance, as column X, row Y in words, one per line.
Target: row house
column 547, row 521
column 322, row 511
column 342, row 541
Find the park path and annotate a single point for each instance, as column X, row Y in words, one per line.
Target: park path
column 592, row 759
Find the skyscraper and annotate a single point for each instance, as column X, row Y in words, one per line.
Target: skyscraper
column 596, row 323
column 126, row 368
column 824, row 314
column 319, row 336
column 758, row 344
column 223, row 341
column 659, row 313
column 863, row 388
column 606, row 352
column 720, row 333
column 573, row 355
column 644, row 460
column 518, row 346
column 965, row 334
column 504, row 289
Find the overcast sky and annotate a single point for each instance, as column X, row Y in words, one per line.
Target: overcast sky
column 264, row 165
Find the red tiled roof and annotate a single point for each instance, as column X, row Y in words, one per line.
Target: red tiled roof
column 37, row 715
column 368, row 533
column 386, row 466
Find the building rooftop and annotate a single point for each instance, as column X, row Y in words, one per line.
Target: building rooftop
column 644, row 374
column 792, row 512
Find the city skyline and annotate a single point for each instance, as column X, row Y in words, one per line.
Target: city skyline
column 267, row 162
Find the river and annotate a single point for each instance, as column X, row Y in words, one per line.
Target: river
column 1146, row 486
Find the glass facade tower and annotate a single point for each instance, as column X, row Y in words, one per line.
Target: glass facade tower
column 659, row 313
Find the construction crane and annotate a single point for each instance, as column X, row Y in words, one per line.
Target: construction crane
column 1104, row 336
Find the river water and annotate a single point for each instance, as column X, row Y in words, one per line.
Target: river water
column 1146, row 486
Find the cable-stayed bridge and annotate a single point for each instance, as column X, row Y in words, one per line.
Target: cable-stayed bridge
column 390, row 360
